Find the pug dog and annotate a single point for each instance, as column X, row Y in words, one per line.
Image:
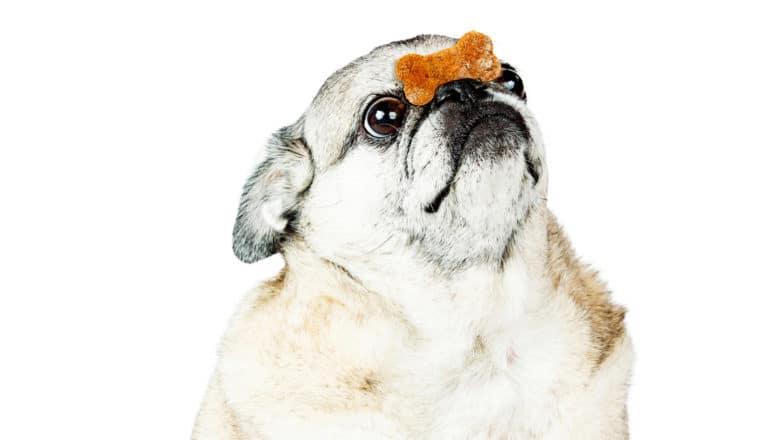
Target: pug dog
column 428, row 292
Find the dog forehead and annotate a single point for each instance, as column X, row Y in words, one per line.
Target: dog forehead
column 334, row 114
column 378, row 68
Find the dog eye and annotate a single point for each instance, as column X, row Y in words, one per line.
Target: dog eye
column 511, row 81
column 384, row 117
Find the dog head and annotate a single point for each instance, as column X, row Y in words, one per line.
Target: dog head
column 364, row 173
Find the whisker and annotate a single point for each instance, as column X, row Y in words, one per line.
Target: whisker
column 325, row 206
column 390, row 236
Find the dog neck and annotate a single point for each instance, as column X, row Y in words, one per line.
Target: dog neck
column 483, row 295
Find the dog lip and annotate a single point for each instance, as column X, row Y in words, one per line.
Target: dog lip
column 514, row 118
column 462, row 119
column 434, row 205
column 488, row 117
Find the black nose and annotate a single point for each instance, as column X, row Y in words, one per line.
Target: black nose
column 461, row 90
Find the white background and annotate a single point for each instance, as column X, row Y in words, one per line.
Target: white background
column 128, row 128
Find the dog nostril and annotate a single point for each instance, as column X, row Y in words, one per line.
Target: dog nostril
column 461, row 90
column 448, row 95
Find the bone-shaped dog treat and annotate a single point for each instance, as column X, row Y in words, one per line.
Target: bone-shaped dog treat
column 471, row 57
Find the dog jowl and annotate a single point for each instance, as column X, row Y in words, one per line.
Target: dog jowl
column 428, row 292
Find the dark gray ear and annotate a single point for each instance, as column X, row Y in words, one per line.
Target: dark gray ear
column 271, row 196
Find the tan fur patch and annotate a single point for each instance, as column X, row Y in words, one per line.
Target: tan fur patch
column 588, row 292
column 271, row 289
column 362, row 380
column 317, row 318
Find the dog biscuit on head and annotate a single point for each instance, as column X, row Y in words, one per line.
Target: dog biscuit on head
column 470, row 58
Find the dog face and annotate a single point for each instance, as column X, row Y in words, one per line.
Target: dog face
column 363, row 173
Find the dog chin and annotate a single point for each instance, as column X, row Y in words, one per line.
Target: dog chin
column 462, row 141
column 487, row 145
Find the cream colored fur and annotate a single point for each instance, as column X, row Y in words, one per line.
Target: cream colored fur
column 489, row 354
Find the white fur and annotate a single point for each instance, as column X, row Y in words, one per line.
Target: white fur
column 532, row 380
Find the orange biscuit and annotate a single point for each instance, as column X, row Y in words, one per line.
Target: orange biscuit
column 471, row 57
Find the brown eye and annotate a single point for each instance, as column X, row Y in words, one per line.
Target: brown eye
column 511, row 81
column 384, row 117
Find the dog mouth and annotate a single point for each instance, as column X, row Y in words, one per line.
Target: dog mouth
column 473, row 138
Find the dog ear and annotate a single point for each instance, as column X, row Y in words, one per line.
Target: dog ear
column 272, row 195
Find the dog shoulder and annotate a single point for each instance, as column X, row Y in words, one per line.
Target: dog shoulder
column 589, row 293
column 315, row 340
column 257, row 308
